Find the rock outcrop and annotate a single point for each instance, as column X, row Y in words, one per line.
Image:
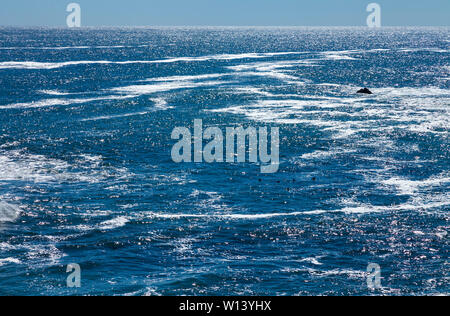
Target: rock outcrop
column 365, row 91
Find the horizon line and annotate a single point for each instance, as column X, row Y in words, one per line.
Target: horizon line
column 218, row 26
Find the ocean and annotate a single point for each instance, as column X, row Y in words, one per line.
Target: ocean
column 87, row 178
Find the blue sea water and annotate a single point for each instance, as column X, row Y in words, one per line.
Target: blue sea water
column 86, row 174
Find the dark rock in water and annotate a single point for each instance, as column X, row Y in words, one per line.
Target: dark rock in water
column 365, row 91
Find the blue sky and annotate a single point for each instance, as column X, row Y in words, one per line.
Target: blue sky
column 225, row 12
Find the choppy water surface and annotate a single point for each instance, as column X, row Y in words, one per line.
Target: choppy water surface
column 86, row 174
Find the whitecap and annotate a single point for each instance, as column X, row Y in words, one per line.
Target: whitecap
column 410, row 187
column 160, row 104
column 9, row 261
column 313, row 260
column 114, row 223
column 18, row 165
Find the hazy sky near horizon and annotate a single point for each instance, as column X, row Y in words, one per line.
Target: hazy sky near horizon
column 225, row 12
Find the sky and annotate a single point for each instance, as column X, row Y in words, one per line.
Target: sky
column 224, row 12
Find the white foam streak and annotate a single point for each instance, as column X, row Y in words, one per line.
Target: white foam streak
column 72, row 47
column 338, row 55
column 111, row 117
column 138, row 90
column 321, row 154
column 226, row 57
column 159, row 105
column 419, row 110
column 62, row 102
column 355, row 210
column 34, row 65
column 186, row 78
column 54, row 92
